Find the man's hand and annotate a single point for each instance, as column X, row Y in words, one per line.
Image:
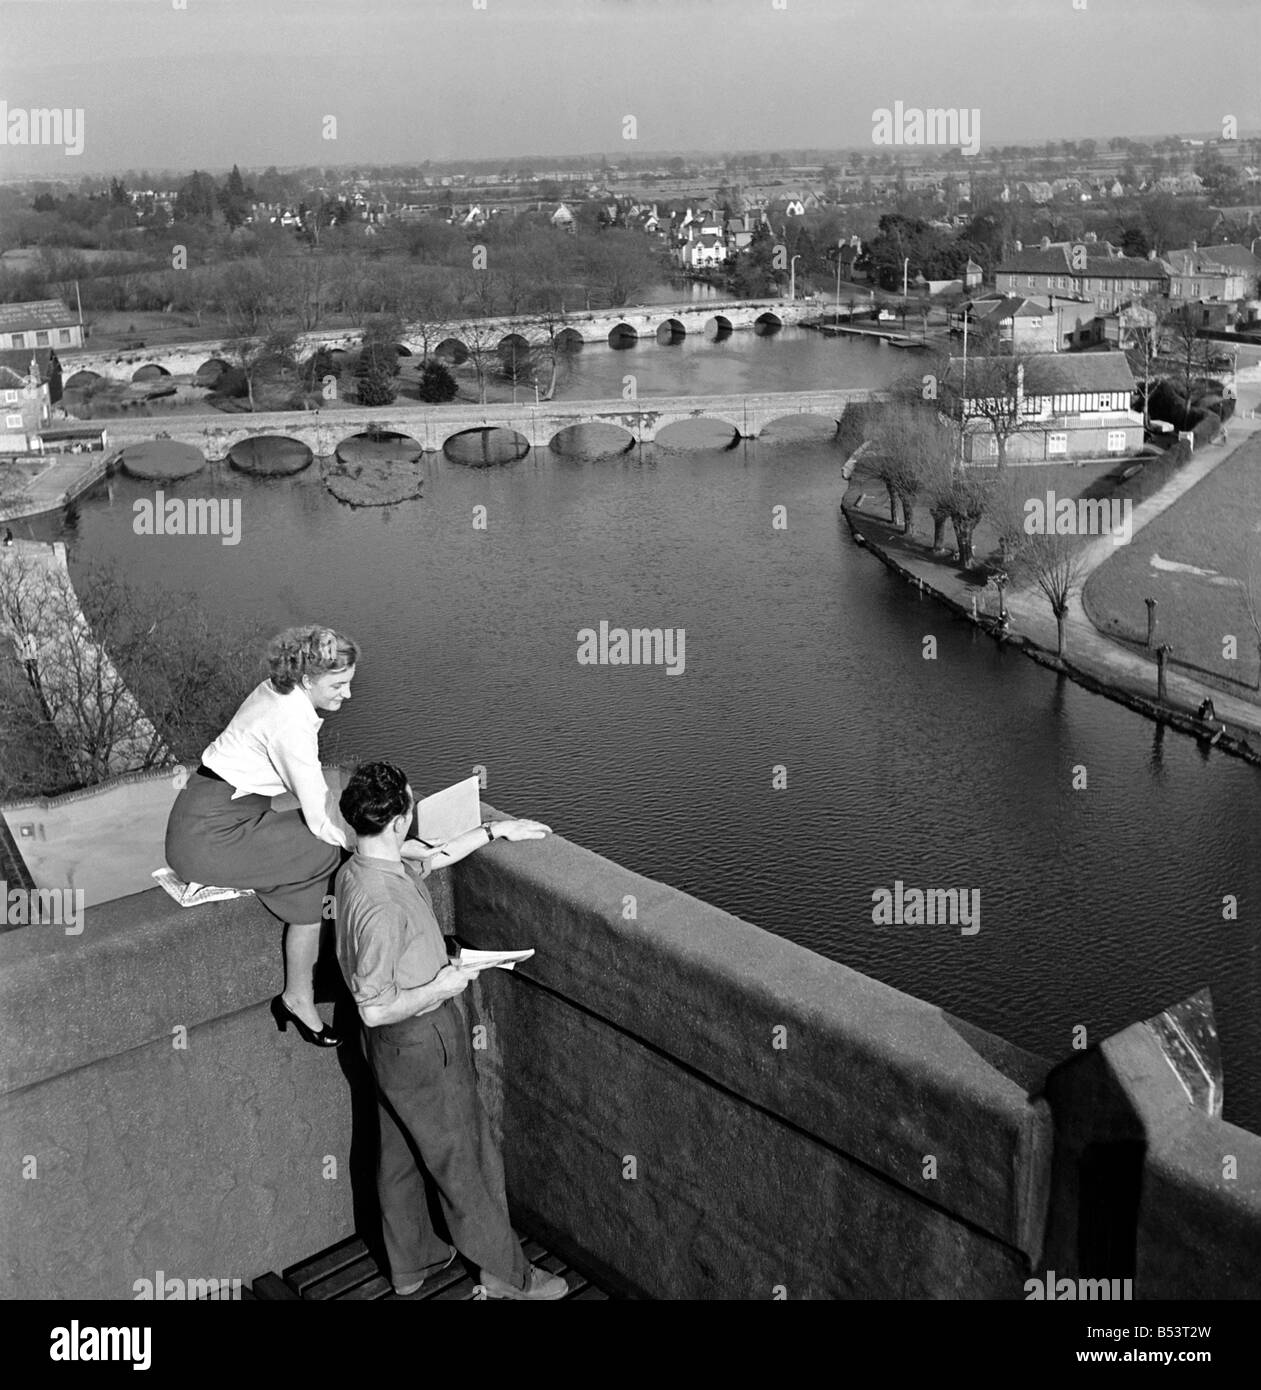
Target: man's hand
column 450, row 981
column 520, row 830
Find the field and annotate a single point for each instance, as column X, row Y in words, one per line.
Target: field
column 1207, row 533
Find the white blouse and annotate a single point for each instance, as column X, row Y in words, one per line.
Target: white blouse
column 271, row 747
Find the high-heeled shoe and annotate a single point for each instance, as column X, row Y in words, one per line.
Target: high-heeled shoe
column 284, row 1016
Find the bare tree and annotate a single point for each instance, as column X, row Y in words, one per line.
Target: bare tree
column 997, row 391
column 911, row 452
column 1057, row 564
column 128, row 680
column 257, row 356
column 1180, row 341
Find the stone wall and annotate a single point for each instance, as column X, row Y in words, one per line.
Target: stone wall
column 693, row 1107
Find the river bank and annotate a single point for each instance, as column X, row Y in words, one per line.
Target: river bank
column 1096, row 665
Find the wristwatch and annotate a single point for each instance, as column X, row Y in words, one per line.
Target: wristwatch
column 489, row 827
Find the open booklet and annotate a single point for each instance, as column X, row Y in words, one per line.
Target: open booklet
column 453, row 811
column 485, row 960
column 195, row 894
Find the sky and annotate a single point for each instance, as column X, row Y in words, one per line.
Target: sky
column 179, row 84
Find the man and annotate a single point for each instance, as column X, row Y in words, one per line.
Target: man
column 416, row 1039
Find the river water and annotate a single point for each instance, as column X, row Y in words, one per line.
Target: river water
column 1099, row 906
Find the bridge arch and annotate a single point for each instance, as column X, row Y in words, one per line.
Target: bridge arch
column 210, row 371
column 569, row 340
column 598, row 438
column 718, row 327
column 767, row 323
column 151, row 371
column 482, row 446
column 671, row 331
column 408, row 446
column 697, row 432
column 453, row 350
column 83, row 377
column 813, row 424
column 622, row 335
column 513, row 342
column 272, row 455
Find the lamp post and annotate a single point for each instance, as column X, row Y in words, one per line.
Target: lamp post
column 792, row 276
column 837, row 317
column 1151, row 621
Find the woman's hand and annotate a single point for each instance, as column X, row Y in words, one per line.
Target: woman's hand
column 520, row 830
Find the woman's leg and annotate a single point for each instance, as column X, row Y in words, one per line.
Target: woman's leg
column 302, row 948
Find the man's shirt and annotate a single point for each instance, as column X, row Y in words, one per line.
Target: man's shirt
column 388, row 938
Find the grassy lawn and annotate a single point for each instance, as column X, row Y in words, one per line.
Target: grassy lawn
column 1208, row 529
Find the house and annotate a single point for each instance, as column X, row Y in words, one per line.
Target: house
column 25, row 403
column 1212, row 272
column 1014, row 324
column 39, row 323
column 1103, row 274
column 972, row 275
column 1117, row 328
column 701, row 250
column 562, row 217
column 1065, row 406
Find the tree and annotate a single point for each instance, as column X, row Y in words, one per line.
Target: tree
column 377, row 388
column 255, row 357
column 1180, row 341
column 437, row 385
column 195, row 197
column 125, row 678
column 907, row 450
column 1057, row 564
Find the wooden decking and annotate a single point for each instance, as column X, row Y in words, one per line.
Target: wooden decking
column 347, row 1270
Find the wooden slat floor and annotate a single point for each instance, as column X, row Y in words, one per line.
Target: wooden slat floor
column 348, row 1271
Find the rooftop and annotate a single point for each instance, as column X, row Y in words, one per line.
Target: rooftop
column 35, row 314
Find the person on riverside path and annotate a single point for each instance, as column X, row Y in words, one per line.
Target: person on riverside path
column 222, row 829
column 434, row 1131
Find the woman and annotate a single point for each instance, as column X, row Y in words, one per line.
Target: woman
column 223, row 831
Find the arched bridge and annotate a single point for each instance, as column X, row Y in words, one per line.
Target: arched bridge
column 432, row 426
column 644, row 322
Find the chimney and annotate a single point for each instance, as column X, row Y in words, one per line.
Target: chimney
column 1020, row 245
column 1195, row 246
column 1151, row 255
column 1046, row 243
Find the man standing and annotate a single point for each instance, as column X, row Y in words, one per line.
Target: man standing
column 416, row 1039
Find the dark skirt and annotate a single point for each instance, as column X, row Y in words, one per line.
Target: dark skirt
column 212, row 839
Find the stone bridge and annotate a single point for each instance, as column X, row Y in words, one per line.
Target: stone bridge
column 453, row 338
column 432, row 426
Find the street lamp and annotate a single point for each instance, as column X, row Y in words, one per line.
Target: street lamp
column 837, row 317
column 792, row 276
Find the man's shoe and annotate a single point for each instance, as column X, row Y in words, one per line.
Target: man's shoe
column 539, row 1286
column 404, row 1289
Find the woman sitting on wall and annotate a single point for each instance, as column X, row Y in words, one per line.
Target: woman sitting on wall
column 222, row 829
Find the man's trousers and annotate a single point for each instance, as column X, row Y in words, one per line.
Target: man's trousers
column 434, row 1128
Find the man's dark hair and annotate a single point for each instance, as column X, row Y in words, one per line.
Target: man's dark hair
column 374, row 796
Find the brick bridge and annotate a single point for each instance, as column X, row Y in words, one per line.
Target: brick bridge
column 639, row 321
column 432, row 426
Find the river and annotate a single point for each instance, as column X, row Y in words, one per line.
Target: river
column 1099, row 906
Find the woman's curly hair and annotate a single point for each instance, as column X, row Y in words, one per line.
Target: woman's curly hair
column 308, row 651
